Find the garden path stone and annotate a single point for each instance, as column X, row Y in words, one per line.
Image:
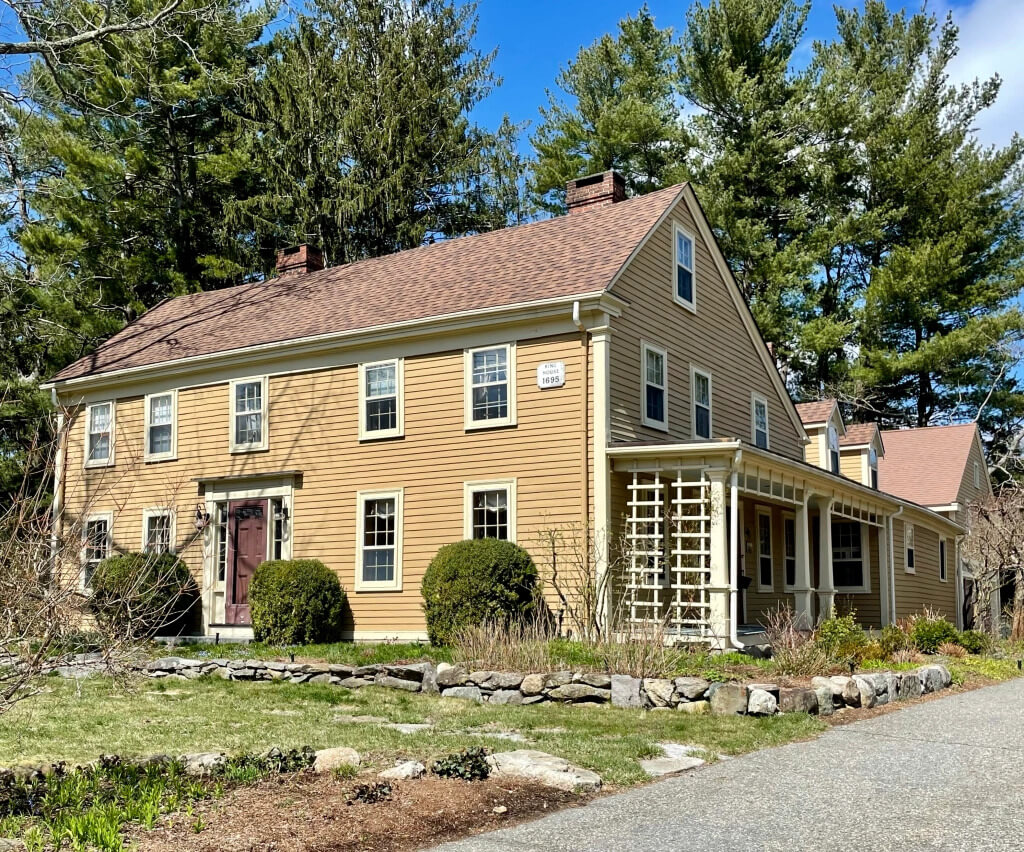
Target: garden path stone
column 346, row 719
column 409, row 727
column 675, row 758
column 407, row 770
column 544, row 768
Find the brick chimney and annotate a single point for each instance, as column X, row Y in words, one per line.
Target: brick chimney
column 298, row 260
column 594, row 190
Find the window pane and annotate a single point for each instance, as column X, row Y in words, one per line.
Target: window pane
column 99, row 447
column 684, row 284
column 222, row 540
column 655, row 404
column 655, row 368
column 159, row 439
column 685, row 250
column 381, row 414
column 380, row 380
column 761, row 439
column 99, row 432
column 701, row 390
column 99, row 418
column 703, row 422
column 160, row 410
column 490, row 402
column 490, row 514
column 789, row 532
column 248, row 428
column 490, row 365
column 379, row 540
column 847, row 558
column 249, row 396
column 158, row 533
column 764, row 547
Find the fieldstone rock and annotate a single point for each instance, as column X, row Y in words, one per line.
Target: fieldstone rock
column 532, row 685
column 452, row 676
column 799, row 700
column 467, row 693
column 203, row 763
column 695, row 708
column 397, row 683
column 826, row 683
column 544, row 768
column 503, row 680
column 407, row 770
column 366, row 671
column 761, row 702
column 329, row 759
column 556, row 679
column 691, row 688
column 243, row 674
column 625, row 691
column 866, row 689
column 579, row 692
column 659, row 691
column 336, row 669
column 909, row 686
column 771, row 688
column 9, row 844
column 533, row 699
column 354, row 682
column 601, row 681
column 323, row 677
column 408, row 671
column 661, row 766
column 892, row 685
column 506, row 696
column 934, row 677
column 729, row 699
column 845, row 688
column 826, row 707
column 429, row 683
column 480, row 678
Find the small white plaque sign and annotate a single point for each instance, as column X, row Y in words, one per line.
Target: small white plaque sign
column 551, row 374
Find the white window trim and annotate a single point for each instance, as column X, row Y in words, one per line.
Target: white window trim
column 909, row 543
column 109, row 460
column 467, row 389
column 691, row 305
column 646, row 347
column 399, row 430
column 943, row 560
column 158, row 512
column 755, row 398
column 395, row 585
column 471, row 488
column 764, row 513
column 788, row 516
column 694, row 372
column 94, row 516
column 172, row 454
column 265, row 432
column 865, row 551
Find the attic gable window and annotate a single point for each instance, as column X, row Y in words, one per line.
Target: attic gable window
column 381, row 399
column 685, row 284
column 700, row 384
column 99, row 434
column 873, row 467
column 490, row 386
column 655, row 385
column 833, row 450
column 759, row 420
column 249, row 415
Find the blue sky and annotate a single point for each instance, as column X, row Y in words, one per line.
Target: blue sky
column 536, row 37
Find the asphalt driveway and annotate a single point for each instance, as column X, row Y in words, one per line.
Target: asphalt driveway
column 943, row 774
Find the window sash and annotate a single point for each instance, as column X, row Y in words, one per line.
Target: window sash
column 249, row 410
column 379, row 536
column 942, row 559
column 655, row 386
column 159, row 534
column 847, row 555
column 684, row 277
column 100, row 419
column 760, row 423
column 221, row 533
column 160, row 425
column 701, row 405
column 489, row 383
column 911, row 557
column 96, row 547
column 380, row 386
column 490, row 508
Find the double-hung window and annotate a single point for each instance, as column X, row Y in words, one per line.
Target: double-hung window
column 873, row 467
column 379, row 540
column 157, row 531
column 833, row 450
column 655, row 385
column 95, row 545
column 99, row 434
column 249, row 414
column 789, row 536
column 908, row 542
column 849, row 569
column 380, row 400
column 700, row 389
column 685, row 284
column 490, row 386
column 764, row 551
column 490, row 509
column 942, row 559
column 759, row 420
column 161, row 426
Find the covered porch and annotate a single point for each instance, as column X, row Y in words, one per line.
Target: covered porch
column 709, row 538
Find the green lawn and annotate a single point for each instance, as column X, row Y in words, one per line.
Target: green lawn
column 77, row 723
column 353, row 653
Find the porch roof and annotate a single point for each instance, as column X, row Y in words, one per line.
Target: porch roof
column 741, row 457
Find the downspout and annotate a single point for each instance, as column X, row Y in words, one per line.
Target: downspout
column 892, row 565
column 584, row 434
column 734, row 555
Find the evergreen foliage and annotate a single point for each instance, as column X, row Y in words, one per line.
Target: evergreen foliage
column 296, row 602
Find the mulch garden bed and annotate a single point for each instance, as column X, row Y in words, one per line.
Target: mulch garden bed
column 312, row 813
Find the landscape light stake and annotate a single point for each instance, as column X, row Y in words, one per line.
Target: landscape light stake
column 853, row 666
column 1019, row 664
column 216, row 638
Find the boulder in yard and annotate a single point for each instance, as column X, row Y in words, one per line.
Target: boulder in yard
column 694, row 708
column 407, row 770
column 868, row 696
column 329, row 759
column 451, row 676
column 824, row 696
column 506, row 696
column 203, row 763
column 543, row 768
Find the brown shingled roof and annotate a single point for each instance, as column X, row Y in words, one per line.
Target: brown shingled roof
column 926, row 465
column 815, row 412
column 858, row 434
column 561, row 257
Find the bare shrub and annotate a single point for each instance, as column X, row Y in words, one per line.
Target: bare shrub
column 994, row 550
column 793, row 648
column 907, row 655
column 951, row 649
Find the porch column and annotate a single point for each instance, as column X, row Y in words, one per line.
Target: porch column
column 718, row 548
column 600, row 338
column 826, row 582
column 883, row 569
column 802, row 591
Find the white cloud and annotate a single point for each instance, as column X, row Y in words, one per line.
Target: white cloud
column 990, row 43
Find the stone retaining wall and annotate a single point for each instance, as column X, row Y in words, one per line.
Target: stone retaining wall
column 686, row 694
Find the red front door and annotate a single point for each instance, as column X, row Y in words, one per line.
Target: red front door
column 247, row 548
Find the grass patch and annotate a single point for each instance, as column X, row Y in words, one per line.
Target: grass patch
column 963, row 669
column 78, row 723
column 352, row 653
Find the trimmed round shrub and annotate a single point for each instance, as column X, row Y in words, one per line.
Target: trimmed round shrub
column 295, row 602
column 974, row 641
column 470, row 582
column 141, row 594
column 928, row 633
column 894, row 640
column 841, row 637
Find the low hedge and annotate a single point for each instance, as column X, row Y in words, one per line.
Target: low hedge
column 470, row 582
column 296, row 602
column 142, row 594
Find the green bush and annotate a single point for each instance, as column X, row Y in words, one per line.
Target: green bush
column 295, row 602
column 894, row 639
column 974, row 641
column 142, row 594
column 467, row 765
column 929, row 632
column 841, row 637
column 470, row 582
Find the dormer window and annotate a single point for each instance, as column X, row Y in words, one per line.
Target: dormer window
column 833, row 449
column 873, row 467
column 685, row 292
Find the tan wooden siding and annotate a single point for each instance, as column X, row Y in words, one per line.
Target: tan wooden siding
column 312, row 422
column 851, row 465
column 713, row 339
column 968, row 494
column 923, row 588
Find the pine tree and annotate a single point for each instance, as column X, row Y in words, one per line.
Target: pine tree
column 617, row 111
